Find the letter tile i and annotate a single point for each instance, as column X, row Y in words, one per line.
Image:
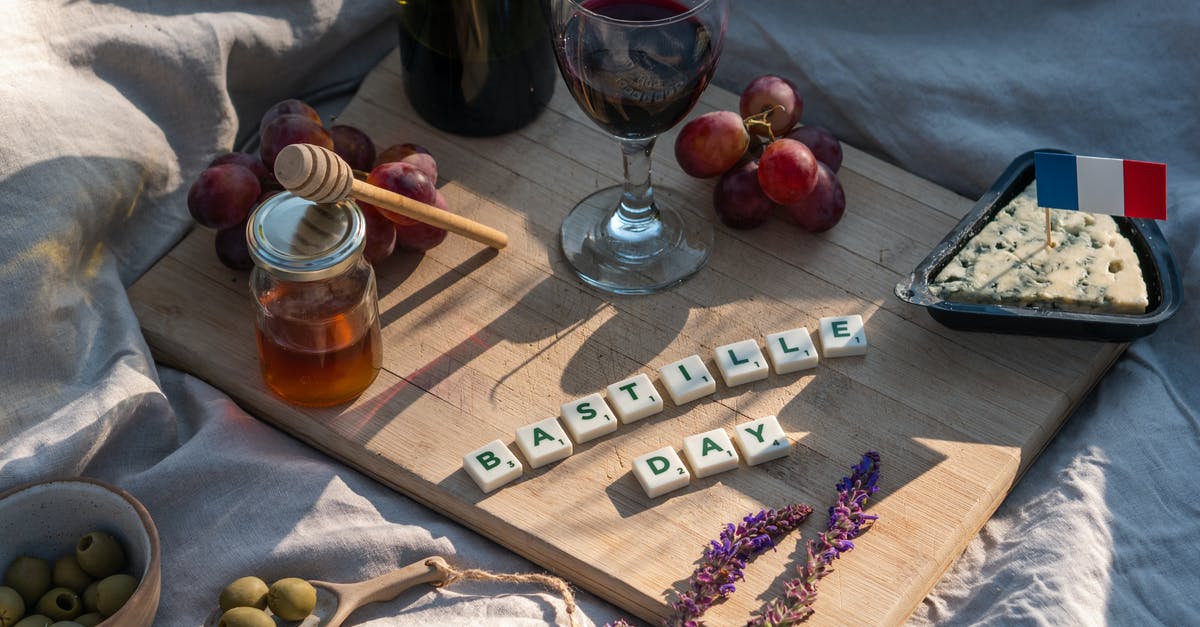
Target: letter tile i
column 687, row 380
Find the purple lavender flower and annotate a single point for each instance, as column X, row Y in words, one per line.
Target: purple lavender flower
column 846, row 521
column 725, row 557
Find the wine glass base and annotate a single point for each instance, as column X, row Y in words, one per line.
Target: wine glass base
column 634, row 258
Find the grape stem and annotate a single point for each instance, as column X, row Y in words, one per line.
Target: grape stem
column 761, row 120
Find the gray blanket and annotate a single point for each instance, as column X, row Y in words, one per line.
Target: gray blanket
column 110, row 109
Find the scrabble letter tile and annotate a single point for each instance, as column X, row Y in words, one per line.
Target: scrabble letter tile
column 687, row 380
column 492, row 466
column 762, row 440
column 660, row 472
column 588, row 418
column 843, row 336
column 710, row 452
column 791, row 350
column 543, row 442
column 634, row 398
column 741, row 363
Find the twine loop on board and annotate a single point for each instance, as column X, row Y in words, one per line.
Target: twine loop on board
column 452, row 575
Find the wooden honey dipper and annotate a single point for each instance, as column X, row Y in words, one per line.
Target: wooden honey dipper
column 320, row 175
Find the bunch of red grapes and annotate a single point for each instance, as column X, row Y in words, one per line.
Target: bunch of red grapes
column 765, row 160
column 225, row 194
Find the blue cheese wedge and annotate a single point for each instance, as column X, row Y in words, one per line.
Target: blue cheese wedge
column 1092, row 267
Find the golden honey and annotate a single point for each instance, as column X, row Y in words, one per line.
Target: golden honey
column 316, row 310
column 335, row 370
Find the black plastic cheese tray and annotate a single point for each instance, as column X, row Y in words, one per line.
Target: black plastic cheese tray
column 1158, row 265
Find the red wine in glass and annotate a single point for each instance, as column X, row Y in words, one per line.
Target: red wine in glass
column 645, row 81
column 636, row 68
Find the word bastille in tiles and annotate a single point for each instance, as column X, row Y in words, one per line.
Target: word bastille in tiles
column 687, row 380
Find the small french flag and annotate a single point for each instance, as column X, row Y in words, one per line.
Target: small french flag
column 1119, row 187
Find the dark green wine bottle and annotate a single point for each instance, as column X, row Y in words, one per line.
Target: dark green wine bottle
column 476, row 67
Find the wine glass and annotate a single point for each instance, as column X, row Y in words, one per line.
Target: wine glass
column 636, row 68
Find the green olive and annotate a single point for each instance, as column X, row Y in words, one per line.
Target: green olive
column 244, row 592
column 60, row 604
column 12, row 607
column 89, row 598
column 246, row 617
column 35, row 620
column 91, row 619
column 68, row 574
column 112, row 592
column 30, row 577
column 292, row 598
column 65, row 623
column 100, row 555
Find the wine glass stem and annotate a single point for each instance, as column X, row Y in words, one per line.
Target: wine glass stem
column 637, row 201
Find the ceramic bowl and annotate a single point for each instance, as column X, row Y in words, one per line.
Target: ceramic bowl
column 45, row 519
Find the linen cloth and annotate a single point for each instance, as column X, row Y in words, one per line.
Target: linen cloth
column 111, row 108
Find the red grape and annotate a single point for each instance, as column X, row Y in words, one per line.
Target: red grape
column 246, row 160
column 223, row 195
column 287, row 129
column 823, row 208
column 425, row 163
column 711, row 144
column 266, row 193
column 289, row 106
column 767, row 91
column 440, row 201
column 353, row 145
column 270, row 183
column 418, row 236
column 232, row 250
column 396, row 152
column 738, row 198
column 404, row 179
column 415, row 154
column 825, row 147
column 381, row 235
column 787, row 171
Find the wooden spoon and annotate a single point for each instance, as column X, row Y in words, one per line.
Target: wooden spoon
column 320, row 175
column 336, row 601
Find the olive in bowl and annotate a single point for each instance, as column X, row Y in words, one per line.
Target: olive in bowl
column 104, row 528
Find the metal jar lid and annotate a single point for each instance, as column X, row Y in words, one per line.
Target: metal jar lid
column 296, row 239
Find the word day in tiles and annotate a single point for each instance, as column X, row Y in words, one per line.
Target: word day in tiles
column 630, row 400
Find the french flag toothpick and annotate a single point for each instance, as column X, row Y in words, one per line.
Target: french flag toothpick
column 1119, row 187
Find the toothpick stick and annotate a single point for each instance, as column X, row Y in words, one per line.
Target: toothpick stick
column 1049, row 242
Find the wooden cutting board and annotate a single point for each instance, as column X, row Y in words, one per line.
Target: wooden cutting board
column 479, row 343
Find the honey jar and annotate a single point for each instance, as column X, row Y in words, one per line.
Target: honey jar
column 316, row 307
